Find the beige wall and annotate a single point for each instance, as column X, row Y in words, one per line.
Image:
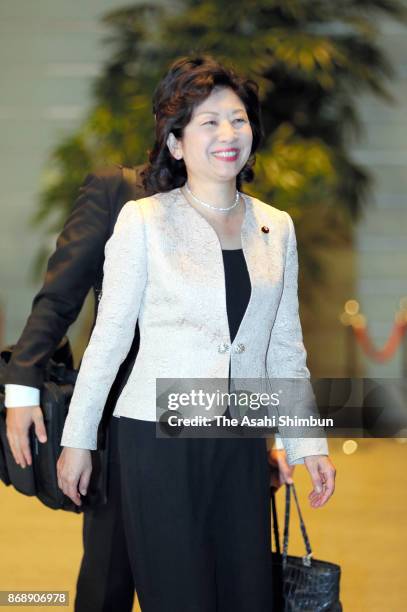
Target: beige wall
column 382, row 235
column 50, row 50
column 375, row 270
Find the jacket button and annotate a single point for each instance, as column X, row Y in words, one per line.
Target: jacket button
column 222, row 348
column 239, row 348
column 265, row 229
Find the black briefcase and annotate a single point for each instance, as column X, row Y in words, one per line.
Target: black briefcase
column 3, row 464
column 301, row 584
column 40, row 478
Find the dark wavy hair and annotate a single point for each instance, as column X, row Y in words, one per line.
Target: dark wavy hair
column 188, row 82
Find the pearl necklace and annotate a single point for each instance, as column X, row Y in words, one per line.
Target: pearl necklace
column 217, row 208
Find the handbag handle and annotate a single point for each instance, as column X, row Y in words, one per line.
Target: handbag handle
column 306, row 559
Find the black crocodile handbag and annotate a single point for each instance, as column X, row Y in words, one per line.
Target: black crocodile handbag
column 301, row 584
column 40, row 478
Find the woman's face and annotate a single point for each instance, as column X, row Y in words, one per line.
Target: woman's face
column 217, row 141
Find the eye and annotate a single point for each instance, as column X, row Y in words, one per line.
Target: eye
column 213, row 122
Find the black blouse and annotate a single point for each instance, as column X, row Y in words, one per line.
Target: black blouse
column 238, row 287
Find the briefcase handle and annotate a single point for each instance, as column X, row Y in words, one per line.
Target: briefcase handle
column 306, row 559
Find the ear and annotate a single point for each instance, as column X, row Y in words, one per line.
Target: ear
column 174, row 146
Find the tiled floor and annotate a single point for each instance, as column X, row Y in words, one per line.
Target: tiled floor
column 363, row 528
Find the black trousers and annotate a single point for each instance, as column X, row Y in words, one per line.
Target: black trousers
column 105, row 582
column 197, row 520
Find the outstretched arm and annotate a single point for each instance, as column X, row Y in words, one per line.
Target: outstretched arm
column 71, row 271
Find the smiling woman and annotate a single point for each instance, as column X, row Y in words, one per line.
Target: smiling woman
column 214, row 102
column 218, row 147
column 215, row 297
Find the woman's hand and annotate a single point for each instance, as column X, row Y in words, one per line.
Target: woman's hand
column 74, row 468
column 281, row 471
column 322, row 472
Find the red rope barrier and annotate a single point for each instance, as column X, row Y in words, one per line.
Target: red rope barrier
column 388, row 350
column 351, row 317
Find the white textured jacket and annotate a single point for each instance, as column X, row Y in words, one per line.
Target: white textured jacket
column 164, row 267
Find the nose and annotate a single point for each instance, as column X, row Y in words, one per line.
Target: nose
column 226, row 131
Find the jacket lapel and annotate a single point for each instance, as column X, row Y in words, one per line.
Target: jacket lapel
column 264, row 260
column 263, row 254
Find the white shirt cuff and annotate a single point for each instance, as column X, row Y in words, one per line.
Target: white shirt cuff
column 19, row 396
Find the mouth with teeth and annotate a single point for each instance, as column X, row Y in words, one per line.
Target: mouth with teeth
column 228, row 155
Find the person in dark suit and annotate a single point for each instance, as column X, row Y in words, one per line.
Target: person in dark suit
column 75, row 267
